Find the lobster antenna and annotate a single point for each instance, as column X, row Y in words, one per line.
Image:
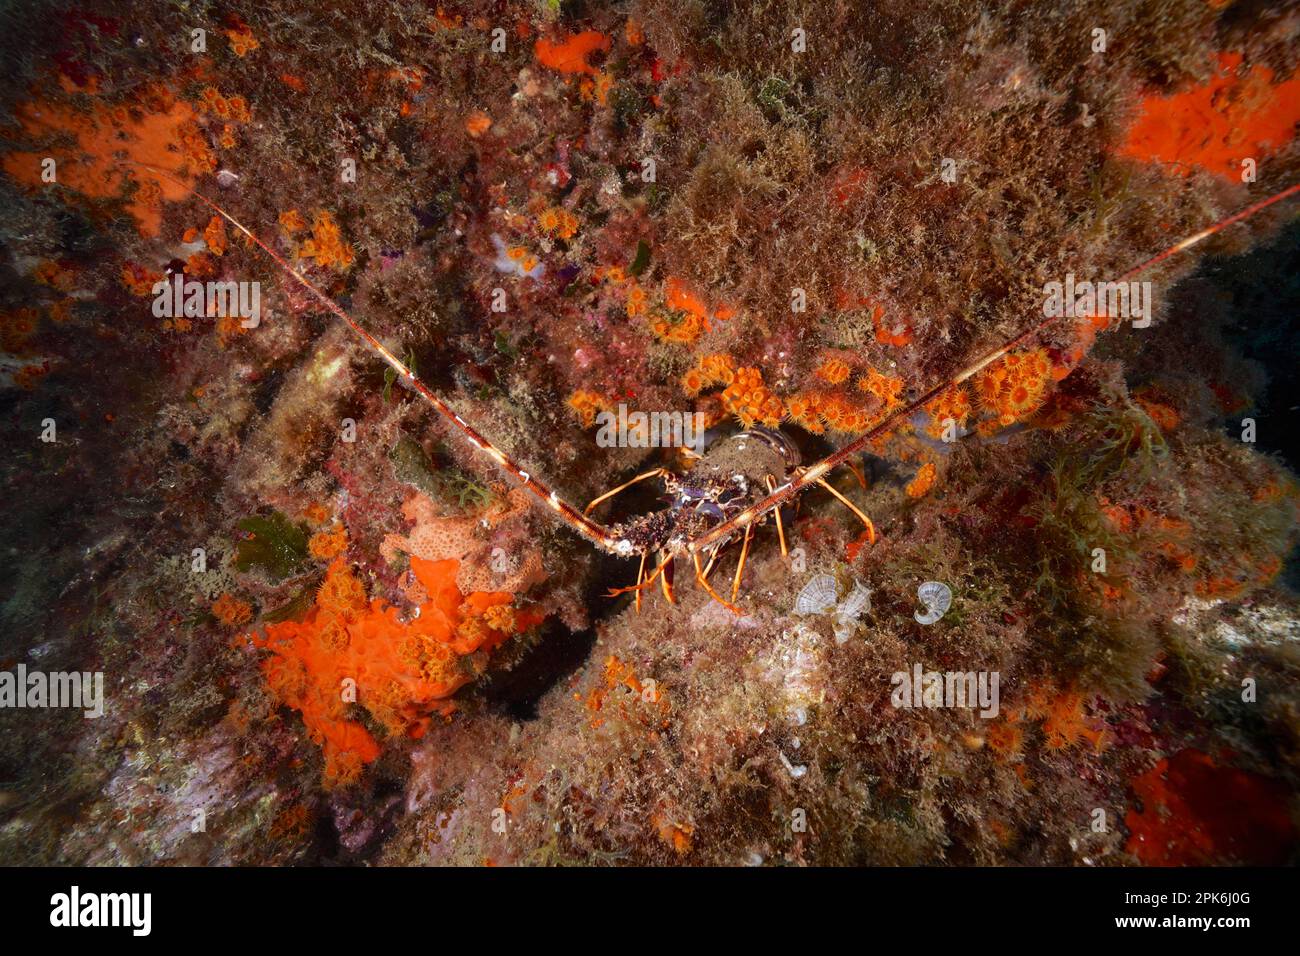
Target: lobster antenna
column 597, row 533
column 809, row 477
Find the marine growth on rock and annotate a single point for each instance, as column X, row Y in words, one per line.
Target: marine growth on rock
column 584, row 412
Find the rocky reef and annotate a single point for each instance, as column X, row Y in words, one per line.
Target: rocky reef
column 1046, row 615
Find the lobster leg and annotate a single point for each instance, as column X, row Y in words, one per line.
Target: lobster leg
column 857, row 472
column 652, row 473
column 666, row 578
column 871, row 528
column 640, row 576
column 641, row 585
column 780, row 526
column 704, row 583
column 740, row 567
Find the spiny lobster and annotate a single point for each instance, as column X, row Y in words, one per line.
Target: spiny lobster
column 737, row 483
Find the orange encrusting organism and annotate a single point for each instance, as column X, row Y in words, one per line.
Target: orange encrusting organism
column 747, row 397
column 16, row 328
column 692, row 315
column 570, row 55
column 897, row 334
column 215, row 236
column 805, row 410
column 1064, row 723
column 215, row 103
column 348, row 648
column 652, row 704
column 676, row 835
column 596, row 88
column 923, row 481
column 1171, row 534
column 159, row 132
column 316, row 513
column 834, row 371
column 56, row 275
column 139, row 280
column 1235, row 115
column 886, row 388
column 682, row 332
column 1158, row 407
column 291, row 221
column 1005, row 737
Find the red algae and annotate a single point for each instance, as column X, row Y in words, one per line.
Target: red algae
column 1194, row 812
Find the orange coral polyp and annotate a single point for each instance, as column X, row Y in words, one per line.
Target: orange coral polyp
column 326, row 244
column 833, row 371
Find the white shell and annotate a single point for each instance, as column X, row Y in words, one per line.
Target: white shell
column 857, row 601
column 818, row 596
column 843, row 631
column 936, row 598
column 795, row 771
